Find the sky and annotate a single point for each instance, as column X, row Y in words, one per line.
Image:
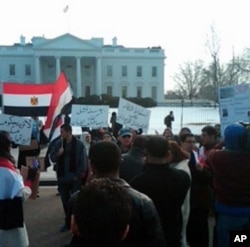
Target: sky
column 180, row 27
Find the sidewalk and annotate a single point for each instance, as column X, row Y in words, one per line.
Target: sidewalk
column 44, row 217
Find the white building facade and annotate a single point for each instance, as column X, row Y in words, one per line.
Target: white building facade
column 91, row 67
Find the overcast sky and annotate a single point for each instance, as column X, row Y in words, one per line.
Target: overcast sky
column 180, row 27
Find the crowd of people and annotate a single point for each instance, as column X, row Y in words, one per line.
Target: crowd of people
column 121, row 187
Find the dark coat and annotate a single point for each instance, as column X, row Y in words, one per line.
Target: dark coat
column 167, row 187
column 132, row 163
column 145, row 227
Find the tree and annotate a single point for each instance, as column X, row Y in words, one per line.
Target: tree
column 213, row 74
column 189, row 79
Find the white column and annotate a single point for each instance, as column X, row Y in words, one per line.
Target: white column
column 98, row 83
column 78, row 77
column 58, row 67
column 37, row 70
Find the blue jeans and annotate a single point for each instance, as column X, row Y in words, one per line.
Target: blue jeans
column 225, row 224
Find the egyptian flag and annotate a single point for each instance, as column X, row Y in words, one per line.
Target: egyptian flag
column 61, row 96
column 26, row 99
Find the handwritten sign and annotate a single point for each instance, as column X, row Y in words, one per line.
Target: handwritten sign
column 19, row 128
column 234, row 104
column 133, row 116
column 94, row 116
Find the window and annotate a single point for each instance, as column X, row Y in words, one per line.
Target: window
column 109, row 71
column 87, row 70
column 124, row 71
column 139, row 91
column 87, row 91
column 139, row 71
column 154, row 71
column 109, row 90
column 12, row 69
column 124, row 92
column 27, row 69
column 154, row 93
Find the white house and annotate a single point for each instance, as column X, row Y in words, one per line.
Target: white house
column 91, row 66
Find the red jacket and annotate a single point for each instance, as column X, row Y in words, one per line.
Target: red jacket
column 231, row 177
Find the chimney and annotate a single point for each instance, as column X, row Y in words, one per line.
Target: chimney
column 114, row 41
column 22, row 40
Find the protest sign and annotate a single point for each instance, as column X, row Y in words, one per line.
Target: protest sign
column 94, row 116
column 133, row 116
column 19, row 128
column 234, row 104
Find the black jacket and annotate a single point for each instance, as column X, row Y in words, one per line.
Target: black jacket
column 145, row 227
column 167, row 187
column 132, row 163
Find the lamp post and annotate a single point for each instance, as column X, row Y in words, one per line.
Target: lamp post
column 182, row 105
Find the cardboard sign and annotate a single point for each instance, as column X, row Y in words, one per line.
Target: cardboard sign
column 33, row 145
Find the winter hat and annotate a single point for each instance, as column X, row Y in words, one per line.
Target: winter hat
column 233, row 136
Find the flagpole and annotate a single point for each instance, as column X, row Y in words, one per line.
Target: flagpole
column 66, row 10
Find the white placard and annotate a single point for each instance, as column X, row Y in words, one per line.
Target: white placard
column 20, row 128
column 93, row 116
column 133, row 116
column 234, row 104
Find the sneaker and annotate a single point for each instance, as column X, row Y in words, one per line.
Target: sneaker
column 64, row 228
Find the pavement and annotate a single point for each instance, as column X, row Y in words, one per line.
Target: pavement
column 44, row 217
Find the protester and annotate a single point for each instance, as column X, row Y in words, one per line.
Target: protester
column 86, row 140
column 133, row 162
column 169, row 119
column 115, row 126
column 166, row 186
column 107, row 136
column 70, row 156
column 145, row 228
column 102, row 214
column 231, row 173
column 125, row 139
column 208, row 142
column 13, row 193
column 183, row 130
column 200, row 196
column 34, row 149
column 178, row 159
column 168, row 134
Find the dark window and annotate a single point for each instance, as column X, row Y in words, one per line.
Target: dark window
column 12, row 69
column 27, row 69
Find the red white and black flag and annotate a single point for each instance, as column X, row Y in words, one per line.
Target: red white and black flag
column 61, row 96
column 26, row 99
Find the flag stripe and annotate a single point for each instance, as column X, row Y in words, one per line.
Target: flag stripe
column 17, row 88
column 26, row 111
column 25, row 100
